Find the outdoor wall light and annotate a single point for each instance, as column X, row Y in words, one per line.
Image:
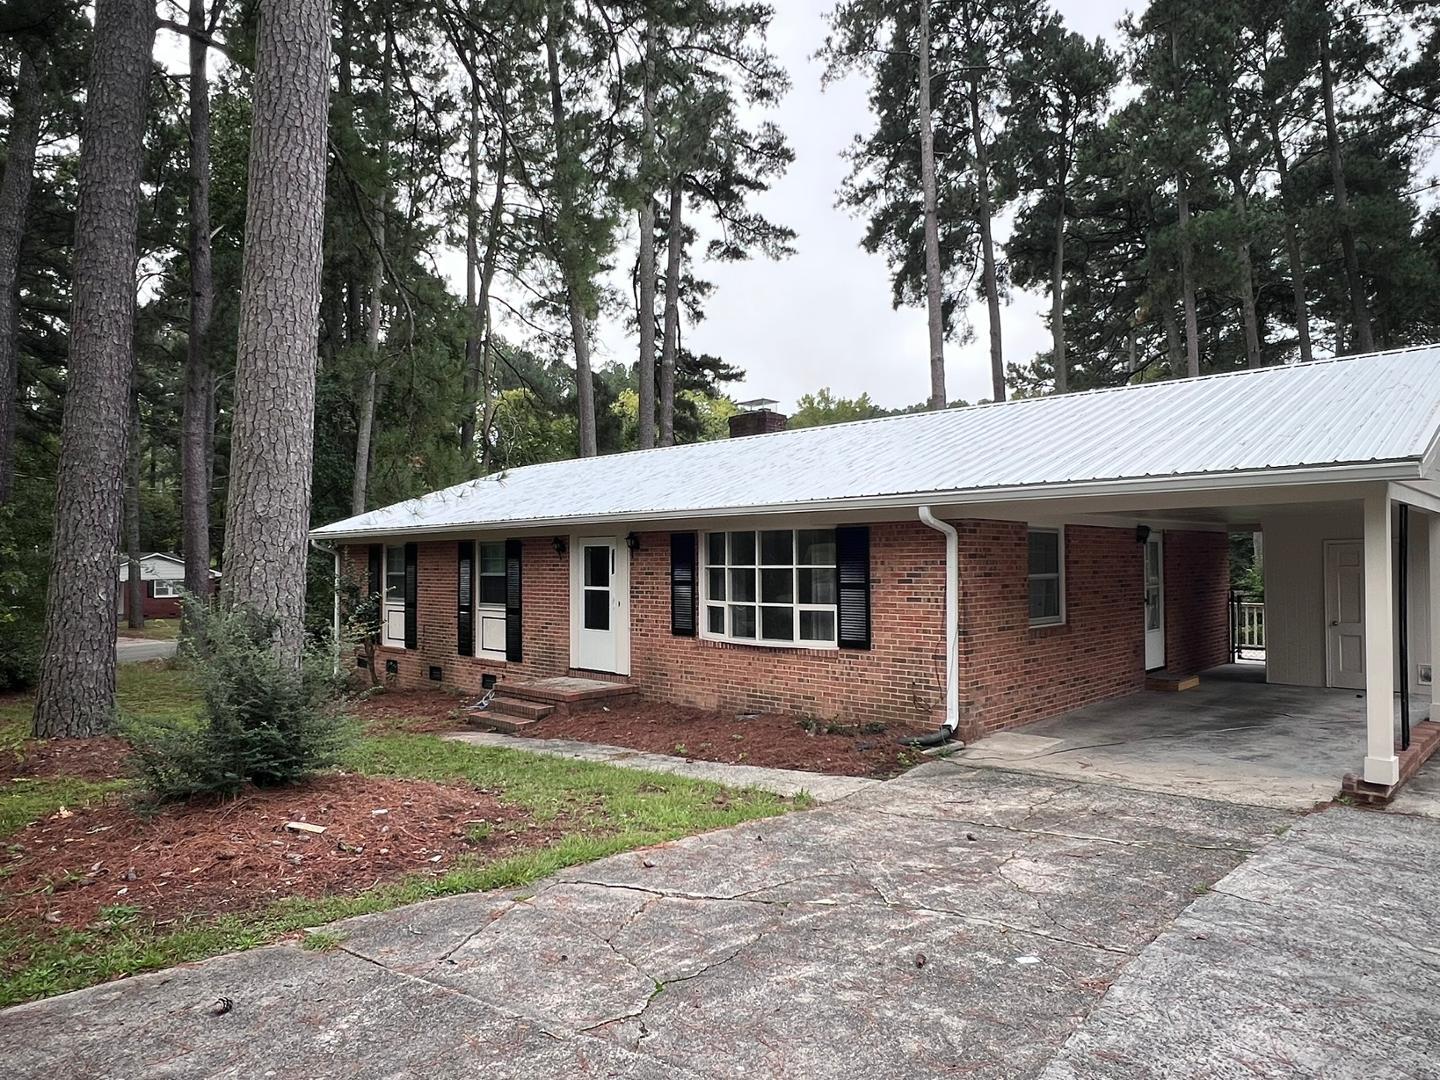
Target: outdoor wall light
column 632, row 542
column 560, row 546
column 1142, row 533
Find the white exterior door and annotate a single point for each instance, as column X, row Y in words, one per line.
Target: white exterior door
column 1154, row 601
column 393, row 603
column 1345, row 614
column 600, row 604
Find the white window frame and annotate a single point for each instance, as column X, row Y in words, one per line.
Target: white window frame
column 1059, row 576
column 172, row 592
column 388, row 605
column 795, row 606
column 482, row 608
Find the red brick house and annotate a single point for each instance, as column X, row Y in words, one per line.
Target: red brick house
column 983, row 567
column 163, row 576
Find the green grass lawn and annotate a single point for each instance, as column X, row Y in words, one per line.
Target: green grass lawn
column 613, row 810
column 154, row 630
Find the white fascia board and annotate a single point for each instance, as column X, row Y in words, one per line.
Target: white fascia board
column 1270, row 479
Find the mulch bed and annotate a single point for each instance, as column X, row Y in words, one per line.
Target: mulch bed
column 101, row 758
column 221, row 856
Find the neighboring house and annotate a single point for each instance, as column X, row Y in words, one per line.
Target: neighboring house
column 1062, row 546
column 164, row 579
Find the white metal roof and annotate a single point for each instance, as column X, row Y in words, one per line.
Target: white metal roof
column 1375, row 416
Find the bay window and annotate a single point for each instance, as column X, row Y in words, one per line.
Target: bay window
column 771, row 586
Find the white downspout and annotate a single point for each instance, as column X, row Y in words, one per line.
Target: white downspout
column 335, row 618
column 952, row 617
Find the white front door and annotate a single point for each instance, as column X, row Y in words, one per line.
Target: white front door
column 1154, row 601
column 1345, row 614
column 392, row 615
column 600, row 604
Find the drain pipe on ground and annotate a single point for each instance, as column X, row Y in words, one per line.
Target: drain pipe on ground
column 952, row 634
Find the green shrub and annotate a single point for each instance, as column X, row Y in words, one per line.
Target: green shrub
column 24, row 564
column 263, row 720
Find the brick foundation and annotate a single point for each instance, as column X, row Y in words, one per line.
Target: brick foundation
column 1011, row 673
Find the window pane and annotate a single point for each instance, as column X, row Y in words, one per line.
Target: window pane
column 742, row 585
column 492, row 558
column 1044, row 552
column 597, row 609
column 816, row 547
column 742, row 549
column 395, row 574
column 597, row 565
column 777, row 548
column 1044, row 598
column 715, row 545
column 715, row 619
column 777, row 586
column 777, row 623
column 492, row 589
column 817, row 626
column 817, row 586
column 716, row 584
column 742, row 621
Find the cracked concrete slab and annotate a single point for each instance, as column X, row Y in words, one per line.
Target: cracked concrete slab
column 955, row 920
column 1314, row 958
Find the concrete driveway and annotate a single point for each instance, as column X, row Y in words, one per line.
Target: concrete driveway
column 955, row 922
column 138, row 650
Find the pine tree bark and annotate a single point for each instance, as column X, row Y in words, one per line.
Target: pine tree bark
column 135, row 584
column 1359, row 307
column 1187, row 281
column 1248, row 314
column 989, row 276
column 645, row 370
column 195, row 415
column 76, row 694
column 272, row 432
column 670, row 342
column 375, row 314
column 482, row 308
column 474, row 332
column 1173, row 349
column 1293, row 253
column 934, row 305
column 1059, row 360
column 25, row 109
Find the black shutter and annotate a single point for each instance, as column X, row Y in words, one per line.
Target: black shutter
column 465, row 600
column 412, row 598
column 682, row 584
column 513, row 651
column 852, row 560
column 377, row 561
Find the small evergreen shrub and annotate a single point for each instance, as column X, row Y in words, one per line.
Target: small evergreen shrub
column 264, row 721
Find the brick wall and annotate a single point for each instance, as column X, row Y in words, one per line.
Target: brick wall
column 1010, row 672
column 1013, row 673
column 1197, row 598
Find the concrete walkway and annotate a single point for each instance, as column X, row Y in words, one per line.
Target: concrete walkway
column 138, row 650
column 954, row 922
column 788, row 782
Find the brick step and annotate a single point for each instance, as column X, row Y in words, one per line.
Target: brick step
column 502, row 702
column 570, row 694
column 505, row 723
column 1168, row 680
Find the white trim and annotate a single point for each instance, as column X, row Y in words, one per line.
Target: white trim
column 481, row 609
column 388, row 608
column 1059, row 531
column 172, row 590
column 1157, row 537
column 703, row 567
column 952, row 614
column 1381, row 764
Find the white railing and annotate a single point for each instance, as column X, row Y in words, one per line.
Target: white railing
column 1250, row 628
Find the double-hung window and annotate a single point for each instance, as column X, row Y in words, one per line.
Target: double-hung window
column 1047, row 577
column 165, row 590
column 771, row 587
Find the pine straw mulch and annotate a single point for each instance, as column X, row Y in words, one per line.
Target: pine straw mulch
column 768, row 739
column 217, row 857
column 103, row 757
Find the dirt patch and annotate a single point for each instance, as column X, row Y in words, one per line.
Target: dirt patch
column 215, row 857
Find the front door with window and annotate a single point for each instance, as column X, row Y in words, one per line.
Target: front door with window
column 1345, row 613
column 393, row 615
column 600, row 604
column 1154, row 602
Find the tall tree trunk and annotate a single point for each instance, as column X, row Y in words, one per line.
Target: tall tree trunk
column 1187, row 281
column 579, row 322
column 135, row 596
column 76, row 695
column 645, row 370
column 272, row 432
column 375, row 314
column 989, row 276
column 1292, row 243
column 195, row 418
column 482, row 308
column 14, row 200
column 934, row 303
column 1248, row 315
column 1359, row 307
column 474, row 332
column 670, row 343
column 1173, row 349
column 1059, row 360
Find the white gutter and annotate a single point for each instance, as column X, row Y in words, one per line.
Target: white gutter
column 952, row 617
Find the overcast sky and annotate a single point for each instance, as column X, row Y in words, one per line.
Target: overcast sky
column 823, row 317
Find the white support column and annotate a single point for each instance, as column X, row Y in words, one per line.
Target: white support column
column 1433, row 597
column 1381, row 765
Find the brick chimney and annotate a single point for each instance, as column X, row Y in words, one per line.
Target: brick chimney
column 756, row 418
